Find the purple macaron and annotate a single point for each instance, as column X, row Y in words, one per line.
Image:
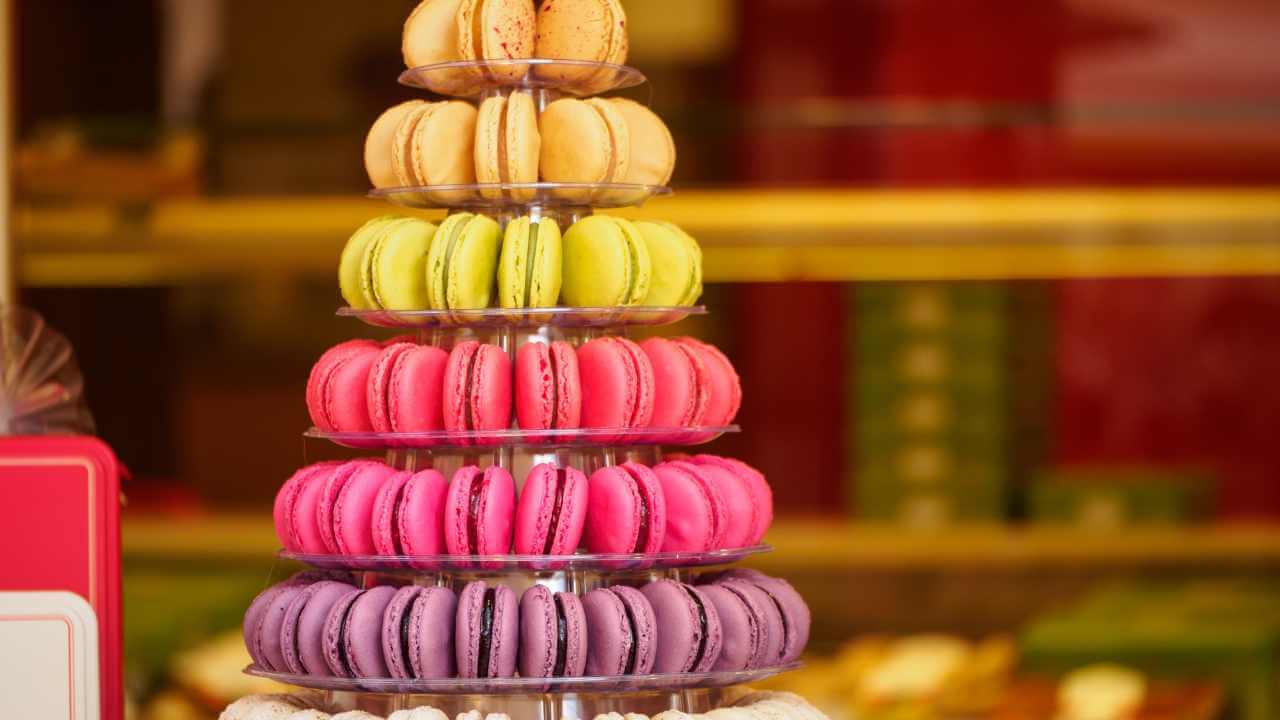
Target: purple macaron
column 302, row 633
column 353, row 633
column 553, row 634
column 750, row 623
column 417, row 633
column 263, row 621
column 487, row 626
column 622, row 632
column 690, row 635
column 795, row 614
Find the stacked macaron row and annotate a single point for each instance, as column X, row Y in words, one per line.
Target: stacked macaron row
column 764, row 705
column 609, row 382
column 742, row 620
column 469, row 262
column 366, row 508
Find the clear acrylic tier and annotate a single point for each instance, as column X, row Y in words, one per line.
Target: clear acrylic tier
column 613, row 564
column 483, row 196
column 518, row 685
column 476, row 78
column 514, row 437
column 602, row 318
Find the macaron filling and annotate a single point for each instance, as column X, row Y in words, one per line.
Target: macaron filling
column 478, row 483
column 396, row 504
column 469, row 421
column 531, row 256
column 455, row 238
column 634, row 635
column 343, row 659
column 562, row 638
column 406, row 657
column 702, row 629
column 642, row 507
column 752, row 621
column 561, row 480
column 486, row 632
column 786, row 623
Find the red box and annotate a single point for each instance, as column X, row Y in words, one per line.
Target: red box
column 60, row 530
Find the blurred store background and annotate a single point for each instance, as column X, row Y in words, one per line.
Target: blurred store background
column 1002, row 278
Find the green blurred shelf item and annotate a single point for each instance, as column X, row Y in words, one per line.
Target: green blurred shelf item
column 1110, row 497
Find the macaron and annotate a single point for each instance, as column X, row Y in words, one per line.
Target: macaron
column 479, row 511
column 417, row 632
column 681, row 384
column 584, row 141
column 696, row 509
column 725, row 395
column 462, row 263
column 434, row 144
column 477, row 387
column 691, row 637
column 393, row 265
column 345, row 512
column 310, row 714
column 377, row 145
column 355, row 715
column 796, row 618
column 351, row 263
column 405, row 389
column 487, row 628
column 408, row 516
column 353, row 633
column 756, row 488
column 530, row 264
column 594, row 30
column 548, row 388
column 552, row 511
column 751, row 626
column 261, row 707
column 553, row 634
column 507, row 144
column 419, row 713
column 617, row 384
column 653, row 151
column 287, row 502
column 430, row 33
column 738, row 522
column 676, row 262
column 263, row 620
column 497, row 30
column 606, row 263
column 626, row 510
column 298, row 503
column 302, row 631
column 336, row 397
column 622, row 632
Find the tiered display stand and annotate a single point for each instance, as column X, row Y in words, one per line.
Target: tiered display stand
column 518, row 450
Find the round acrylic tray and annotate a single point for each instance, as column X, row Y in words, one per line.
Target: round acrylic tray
column 518, row 686
column 499, row 564
column 577, row 437
column 496, row 318
column 474, row 78
column 480, row 196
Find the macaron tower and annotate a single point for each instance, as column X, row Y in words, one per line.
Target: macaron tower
column 505, row 535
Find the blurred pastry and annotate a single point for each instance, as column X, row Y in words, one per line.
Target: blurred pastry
column 507, row 144
column 310, row 715
column 261, row 707
column 594, row 30
column 377, row 145
column 1101, row 692
column 419, row 713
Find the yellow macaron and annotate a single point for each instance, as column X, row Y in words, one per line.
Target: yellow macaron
column 378, row 160
column 507, row 144
column 584, row 141
column 594, row 30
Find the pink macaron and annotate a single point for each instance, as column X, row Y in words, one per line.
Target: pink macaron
column 617, row 384
column 724, row 390
column 682, row 385
column 405, row 387
column 345, row 511
column 754, row 486
column 627, row 512
column 552, row 511
column 288, row 528
column 479, row 511
column 696, row 509
column 477, row 388
column 408, row 515
column 336, row 389
column 548, row 388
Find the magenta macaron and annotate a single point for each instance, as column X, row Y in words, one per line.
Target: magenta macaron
column 690, row 635
column 408, row 514
column 337, row 397
column 297, row 531
column 477, row 387
column 552, row 511
column 479, row 511
column 353, row 633
column 754, row 486
column 417, row 632
column 623, row 636
column 345, row 510
column 404, row 391
column 553, row 634
column 486, row 631
column 682, row 385
column 547, row 386
column 617, row 384
column 696, row 510
column 626, row 510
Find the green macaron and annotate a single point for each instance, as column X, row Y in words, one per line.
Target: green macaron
column 529, row 268
column 606, row 263
column 461, row 266
column 350, row 266
column 677, row 264
column 393, row 267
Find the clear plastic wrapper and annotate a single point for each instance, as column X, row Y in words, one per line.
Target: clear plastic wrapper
column 495, row 196
column 41, row 388
column 577, row 437
column 583, row 564
column 607, row 319
column 475, row 78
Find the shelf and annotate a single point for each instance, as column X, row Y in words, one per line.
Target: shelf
column 747, row 235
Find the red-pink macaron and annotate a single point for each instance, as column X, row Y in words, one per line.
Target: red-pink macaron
column 408, row 515
column 617, row 384
column 337, row 387
column 477, row 387
column 405, row 387
column 552, row 511
column 724, row 395
column 548, row 388
column 345, row 512
column 696, row 510
column 682, row 385
column 296, row 530
column 627, row 512
column 753, row 486
column 479, row 511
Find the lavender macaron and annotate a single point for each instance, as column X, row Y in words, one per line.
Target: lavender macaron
column 796, row 618
column 486, row 630
column 417, row 633
column 553, row 634
column 622, row 632
column 302, row 634
column 690, row 635
column 751, row 626
column 353, row 633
